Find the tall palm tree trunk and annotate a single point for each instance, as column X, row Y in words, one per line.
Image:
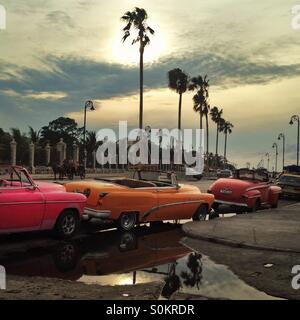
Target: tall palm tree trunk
column 225, row 146
column 201, row 121
column 179, row 111
column 207, row 134
column 217, row 140
column 201, row 127
column 141, row 85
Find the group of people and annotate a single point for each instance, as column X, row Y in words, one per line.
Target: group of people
column 68, row 169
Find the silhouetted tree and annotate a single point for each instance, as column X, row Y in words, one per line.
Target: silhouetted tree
column 34, row 135
column 226, row 128
column 201, row 86
column 22, row 146
column 178, row 81
column 136, row 19
column 194, row 277
column 5, row 139
column 65, row 128
column 216, row 116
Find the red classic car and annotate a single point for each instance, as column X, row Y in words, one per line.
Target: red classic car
column 26, row 205
column 248, row 190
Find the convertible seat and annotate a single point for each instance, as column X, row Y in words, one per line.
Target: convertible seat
column 132, row 183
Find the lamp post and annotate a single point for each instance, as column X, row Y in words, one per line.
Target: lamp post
column 88, row 106
column 268, row 159
column 275, row 146
column 294, row 119
column 281, row 136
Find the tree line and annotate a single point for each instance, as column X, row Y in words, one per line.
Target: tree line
column 63, row 127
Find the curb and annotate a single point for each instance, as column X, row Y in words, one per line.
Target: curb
column 236, row 244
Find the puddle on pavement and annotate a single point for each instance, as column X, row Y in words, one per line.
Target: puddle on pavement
column 114, row 258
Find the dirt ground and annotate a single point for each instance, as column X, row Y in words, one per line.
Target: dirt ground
column 26, row 288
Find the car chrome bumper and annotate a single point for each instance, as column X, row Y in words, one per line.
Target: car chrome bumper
column 99, row 214
column 228, row 203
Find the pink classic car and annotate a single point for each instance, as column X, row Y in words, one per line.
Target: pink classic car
column 26, row 205
column 247, row 191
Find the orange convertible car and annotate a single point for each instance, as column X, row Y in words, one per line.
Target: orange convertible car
column 133, row 201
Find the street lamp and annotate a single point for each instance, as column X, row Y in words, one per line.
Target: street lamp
column 294, row 119
column 88, row 106
column 282, row 137
column 275, row 146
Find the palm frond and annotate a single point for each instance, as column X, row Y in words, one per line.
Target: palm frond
column 146, row 40
column 126, row 35
column 150, row 30
column 127, row 27
column 137, row 19
column 128, row 16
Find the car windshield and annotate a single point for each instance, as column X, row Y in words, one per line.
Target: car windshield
column 244, row 174
column 251, row 175
column 13, row 177
column 158, row 177
column 293, row 180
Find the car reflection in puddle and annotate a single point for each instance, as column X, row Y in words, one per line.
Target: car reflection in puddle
column 145, row 256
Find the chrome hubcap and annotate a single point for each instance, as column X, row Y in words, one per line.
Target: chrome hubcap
column 69, row 224
column 128, row 221
column 67, row 253
column 202, row 217
column 202, row 214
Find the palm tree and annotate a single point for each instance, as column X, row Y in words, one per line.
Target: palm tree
column 206, row 110
column 91, row 141
column 201, row 105
column 22, row 141
column 226, row 128
column 178, row 81
column 216, row 116
column 34, row 135
column 136, row 19
column 194, row 277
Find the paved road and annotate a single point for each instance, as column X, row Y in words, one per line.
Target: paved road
column 277, row 229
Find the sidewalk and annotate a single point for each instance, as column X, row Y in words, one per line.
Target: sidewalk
column 277, row 230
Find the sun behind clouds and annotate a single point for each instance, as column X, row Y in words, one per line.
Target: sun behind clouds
column 128, row 54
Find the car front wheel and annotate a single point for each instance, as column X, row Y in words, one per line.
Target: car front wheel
column 67, row 224
column 255, row 207
column 201, row 213
column 275, row 204
column 127, row 221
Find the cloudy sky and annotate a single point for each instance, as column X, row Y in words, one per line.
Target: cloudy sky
column 56, row 54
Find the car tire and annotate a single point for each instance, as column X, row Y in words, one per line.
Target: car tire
column 255, row 207
column 128, row 242
column 67, row 225
column 201, row 213
column 275, row 205
column 65, row 257
column 127, row 221
column 216, row 207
